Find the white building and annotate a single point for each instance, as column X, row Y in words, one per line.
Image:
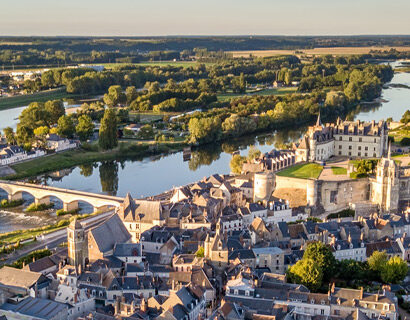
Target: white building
column 343, row 138
column 57, row 143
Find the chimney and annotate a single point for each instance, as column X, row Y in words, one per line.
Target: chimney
column 332, row 288
column 117, row 306
column 143, row 305
column 376, row 297
column 361, row 293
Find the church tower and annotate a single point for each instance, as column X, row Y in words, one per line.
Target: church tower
column 385, row 188
column 77, row 245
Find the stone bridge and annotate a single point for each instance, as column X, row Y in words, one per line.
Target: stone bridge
column 69, row 198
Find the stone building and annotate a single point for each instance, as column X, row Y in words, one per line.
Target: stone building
column 343, row 138
column 77, row 244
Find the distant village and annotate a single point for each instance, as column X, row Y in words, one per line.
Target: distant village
column 221, row 248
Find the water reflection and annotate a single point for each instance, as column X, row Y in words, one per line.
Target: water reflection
column 108, row 171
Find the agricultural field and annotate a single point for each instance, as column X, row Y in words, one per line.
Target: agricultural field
column 315, row 51
column 264, row 92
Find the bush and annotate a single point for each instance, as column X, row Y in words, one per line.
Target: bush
column 62, row 212
column 39, row 207
column 35, row 255
column 341, row 214
column 11, row 204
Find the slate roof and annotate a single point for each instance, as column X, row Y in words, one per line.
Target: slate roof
column 19, row 278
column 127, row 250
column 110, row 232
column 242, row 254
column 133, row 210
column 36, row 308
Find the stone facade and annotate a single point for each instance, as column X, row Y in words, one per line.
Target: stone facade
column 343, row 138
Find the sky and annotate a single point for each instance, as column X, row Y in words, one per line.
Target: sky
column 209, row 17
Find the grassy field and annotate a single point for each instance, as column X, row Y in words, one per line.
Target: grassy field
column 302, row 171
column 265, row 92
column 24, row 100
column 71, row 158
column 315, row 51
column 339, row 170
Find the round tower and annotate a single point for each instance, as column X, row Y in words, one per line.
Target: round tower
column 263, row 186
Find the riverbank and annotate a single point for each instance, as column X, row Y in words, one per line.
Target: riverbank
column 89, row 154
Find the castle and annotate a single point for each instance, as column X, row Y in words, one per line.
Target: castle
column 343, row 138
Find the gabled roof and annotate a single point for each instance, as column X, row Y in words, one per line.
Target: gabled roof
column 19, row 278
column 110, row 232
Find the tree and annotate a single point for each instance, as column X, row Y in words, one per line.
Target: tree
column 84, row 128
column 108, row 130
column 65, row 126
column 253, row 153
column 236, row 163
column 146, row 132
column 394, row 271
column 406, row 117
column 200, row 253
column 10, row 135
column 131, row 94
column 55, row 109
column 321, row 254
column 41, row 135
column 204, row 130
column 307, row 272
column 114, row 96
column 377, row 261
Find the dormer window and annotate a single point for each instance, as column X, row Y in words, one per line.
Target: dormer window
column 312, row 301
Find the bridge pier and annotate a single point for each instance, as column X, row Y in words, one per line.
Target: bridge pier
column 45, row 200
column 17, row 196
column 69, row 206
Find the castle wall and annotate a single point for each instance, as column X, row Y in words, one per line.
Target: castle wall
column 334, row 196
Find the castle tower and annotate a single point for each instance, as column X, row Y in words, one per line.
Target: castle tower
column 263, row 186
column 385, row 188
column 77, row 245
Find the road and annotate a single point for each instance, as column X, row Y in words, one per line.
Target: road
column 54, row 242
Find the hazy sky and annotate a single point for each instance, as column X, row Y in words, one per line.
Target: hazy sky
column 208, row 17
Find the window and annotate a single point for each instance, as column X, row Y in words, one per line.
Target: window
column 360, row 139
column 340, row 153
column 360, row 148
column 350, row 153
column 340, row 138
column 350, row 139
column 359, row 154
column 350, row 147
column 340, row 146
column 366, row 148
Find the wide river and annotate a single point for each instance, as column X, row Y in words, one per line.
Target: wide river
column 153, row 175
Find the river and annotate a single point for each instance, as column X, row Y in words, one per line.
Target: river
column 154, row 175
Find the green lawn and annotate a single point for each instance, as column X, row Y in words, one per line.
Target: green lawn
column 264, row 92
column 302, row 171
column 43, row 96
column 339, row 170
